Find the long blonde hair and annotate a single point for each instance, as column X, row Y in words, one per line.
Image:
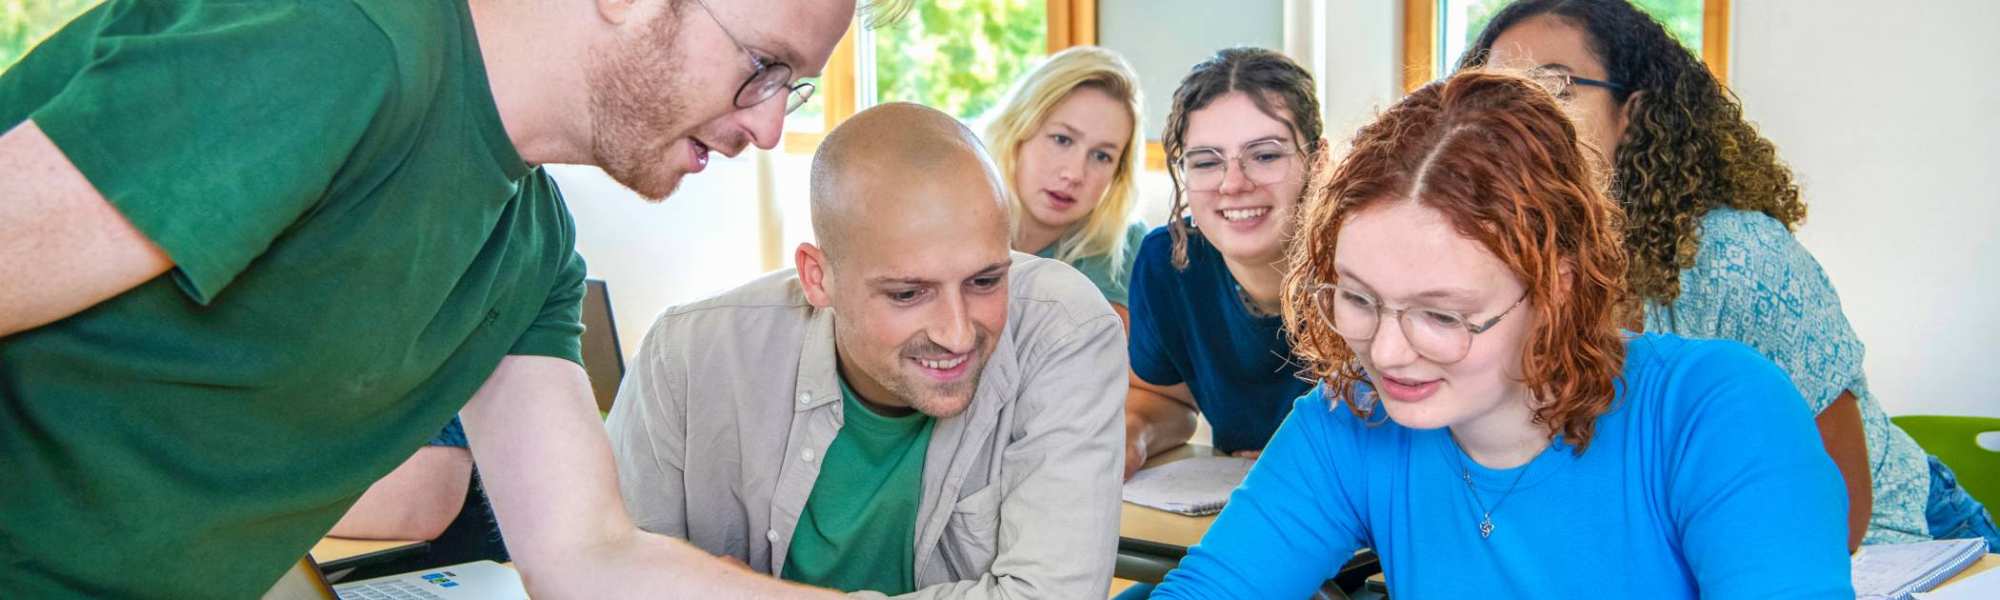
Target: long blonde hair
column 1029, row 103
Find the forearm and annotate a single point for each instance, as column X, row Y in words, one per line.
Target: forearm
column 547, row 468
column 1156, row 422
column 644, row 565
column 417, row 501
column 1840, row 431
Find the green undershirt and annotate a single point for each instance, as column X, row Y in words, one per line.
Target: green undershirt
column 858, row 531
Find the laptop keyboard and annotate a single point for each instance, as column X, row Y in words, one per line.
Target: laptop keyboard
column 387, row 590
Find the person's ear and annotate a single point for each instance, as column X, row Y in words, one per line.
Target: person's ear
column 617, row 12
column 814, row 275
column 1625, row 112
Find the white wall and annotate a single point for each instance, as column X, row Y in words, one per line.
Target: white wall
column 1886, row 114
column 1361, row 73
column 1163, row 38
column 651, row 256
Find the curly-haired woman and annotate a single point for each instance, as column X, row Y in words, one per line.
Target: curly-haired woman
column 1710, row 209
column 1462, row 272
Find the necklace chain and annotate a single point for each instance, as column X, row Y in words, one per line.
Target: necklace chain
column 1485, row 514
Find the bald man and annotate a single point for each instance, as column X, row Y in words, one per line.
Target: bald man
column 913, row 411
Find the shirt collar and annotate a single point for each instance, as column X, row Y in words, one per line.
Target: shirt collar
column 819, row 373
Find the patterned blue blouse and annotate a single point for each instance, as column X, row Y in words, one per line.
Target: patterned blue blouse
column 1752, row 282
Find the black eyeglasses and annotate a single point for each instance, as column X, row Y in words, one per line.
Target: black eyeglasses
column 1561, row 84
column 766, row 79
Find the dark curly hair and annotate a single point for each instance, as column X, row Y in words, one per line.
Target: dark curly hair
column 1496, row 156
column 1687, row 148
column 1262, row 75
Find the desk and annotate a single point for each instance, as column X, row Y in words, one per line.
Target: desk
column 336, row 554
column 1986, row 563
column 1157, row 531
column 1152, row 541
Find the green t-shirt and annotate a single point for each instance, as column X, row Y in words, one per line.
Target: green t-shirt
column 357, row 245
column 1112, row 275
column 859, row 527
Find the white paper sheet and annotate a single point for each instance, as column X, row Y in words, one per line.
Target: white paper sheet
column 1193, row 486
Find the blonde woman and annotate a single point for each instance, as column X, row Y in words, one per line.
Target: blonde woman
column 1067, row 142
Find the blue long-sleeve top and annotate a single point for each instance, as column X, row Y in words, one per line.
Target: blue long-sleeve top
column 1706, row 478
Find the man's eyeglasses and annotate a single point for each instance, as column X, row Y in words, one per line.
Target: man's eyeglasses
column 767, row 79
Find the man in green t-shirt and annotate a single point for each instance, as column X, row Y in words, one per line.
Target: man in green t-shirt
column 253, row 254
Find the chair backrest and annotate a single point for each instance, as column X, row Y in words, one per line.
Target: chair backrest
column 1954, row 441
column 603, row 358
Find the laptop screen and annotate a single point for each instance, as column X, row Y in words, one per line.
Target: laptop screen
column 603, row 358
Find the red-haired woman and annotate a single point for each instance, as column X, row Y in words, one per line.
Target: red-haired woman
column 1482, row 423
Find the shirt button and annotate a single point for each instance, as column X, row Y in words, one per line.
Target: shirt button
column 807, row 455
column 771, row 535
column 805, row 398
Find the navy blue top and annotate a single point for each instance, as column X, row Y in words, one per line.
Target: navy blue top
column 452, row 436
column 1706, row 478
column 1190, row 326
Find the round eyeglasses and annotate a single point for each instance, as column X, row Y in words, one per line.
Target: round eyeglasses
column 1443, row 336
column 1262, row 163
column 767, row 77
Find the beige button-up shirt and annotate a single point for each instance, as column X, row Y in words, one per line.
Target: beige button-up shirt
column 719, row 427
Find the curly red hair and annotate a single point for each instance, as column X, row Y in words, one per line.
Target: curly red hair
column 1499, row 159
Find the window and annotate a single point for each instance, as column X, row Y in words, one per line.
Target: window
column 960, row 56
column 23, row 23
column 1437, row 32
column 958, row 59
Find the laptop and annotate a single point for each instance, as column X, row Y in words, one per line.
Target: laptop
column 478, row 580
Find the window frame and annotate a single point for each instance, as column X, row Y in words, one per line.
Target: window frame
column 1070, row 23
column 1420, row 41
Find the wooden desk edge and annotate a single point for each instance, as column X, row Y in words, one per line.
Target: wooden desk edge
column 1985, row 563
column 334, row 553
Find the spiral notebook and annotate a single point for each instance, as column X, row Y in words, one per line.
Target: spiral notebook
column 1194, row 486
column 1895, row 571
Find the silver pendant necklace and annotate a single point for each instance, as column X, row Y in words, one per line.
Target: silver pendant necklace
column 1465, row 473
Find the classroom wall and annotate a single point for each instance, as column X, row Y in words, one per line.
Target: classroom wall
column 1162, row 38
column 651, row 256
column 1886, row 116
column 1360, row 72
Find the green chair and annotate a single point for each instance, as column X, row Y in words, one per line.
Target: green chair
column 1952, row 439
